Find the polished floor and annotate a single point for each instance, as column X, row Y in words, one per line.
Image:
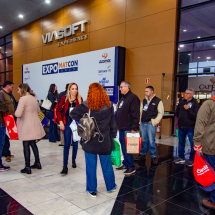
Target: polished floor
column 165, row 189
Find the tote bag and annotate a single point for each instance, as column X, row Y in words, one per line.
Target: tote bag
column 46, row 104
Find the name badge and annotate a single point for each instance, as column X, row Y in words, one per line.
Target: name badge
column 121, row 104
column 190, row 103
column 145, row 108
column 71, row 108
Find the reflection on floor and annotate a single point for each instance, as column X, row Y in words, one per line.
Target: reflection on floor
column 166, row 189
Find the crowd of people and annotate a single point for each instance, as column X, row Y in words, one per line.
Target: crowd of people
column 132, row 115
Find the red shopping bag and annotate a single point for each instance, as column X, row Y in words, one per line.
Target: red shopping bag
column 203, row 171
column 11, row 126
column 140, row 143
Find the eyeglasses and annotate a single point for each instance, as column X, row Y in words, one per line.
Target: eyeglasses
column 187, row 93
column 122, row 87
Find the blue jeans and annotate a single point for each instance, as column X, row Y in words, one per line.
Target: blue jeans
column 2, row 140
column 67, row 143
column 211, row 161
column 107, row 169
column 53, row 135
column 148, row 142
column 128, row 158
column 182, row 133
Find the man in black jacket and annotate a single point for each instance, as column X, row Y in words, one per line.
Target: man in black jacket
column 186, row 112
column 128, row 116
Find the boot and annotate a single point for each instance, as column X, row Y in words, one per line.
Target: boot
column 26, row 170
column 36, row 166
column 74, row 164
column 154, row 161
column 65, row 170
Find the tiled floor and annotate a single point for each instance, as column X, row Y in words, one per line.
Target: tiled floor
column 167, row 189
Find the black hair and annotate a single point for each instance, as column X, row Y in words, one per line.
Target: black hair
column 151, row 88
column 67, row 86
column 52, row 89
column 7, row 83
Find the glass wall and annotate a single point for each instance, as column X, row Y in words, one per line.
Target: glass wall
column 6, row 59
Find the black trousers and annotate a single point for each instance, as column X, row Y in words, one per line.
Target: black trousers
column 27, row 152
column 6, row 148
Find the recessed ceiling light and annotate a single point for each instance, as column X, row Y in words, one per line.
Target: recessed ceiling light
column 48, row 1
column 188, row 54
column 198, row 37
column 184, row 30
column 208, row 57
column 198, row 57
column 213, row 45
column 6, row 52
column 21, row 16
column 1, row 27
column 180, row 63
column 181, row 46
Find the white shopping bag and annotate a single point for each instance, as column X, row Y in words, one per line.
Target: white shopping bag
column 75, row 136
column 117, row 139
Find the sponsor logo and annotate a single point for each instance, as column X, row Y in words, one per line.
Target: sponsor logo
column 109, row 91
column 48, row 69
column 26, row 68
column 69, row 66
column 102, row 71
column 26, row 72
column 105, row 55
column 104, row 81
column 203, row 170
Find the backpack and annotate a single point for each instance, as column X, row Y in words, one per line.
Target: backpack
column 86, row 128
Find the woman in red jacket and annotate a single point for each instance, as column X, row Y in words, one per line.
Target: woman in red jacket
column 67, row 104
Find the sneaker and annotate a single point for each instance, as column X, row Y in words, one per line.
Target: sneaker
column 4, row 168
column 208, row 204
column 8, row 159
column 140, row 157
column 93, row 194
column 180, row 161
column 129, row 171
column 190, row 163
column 121, row 168
column 154, row 161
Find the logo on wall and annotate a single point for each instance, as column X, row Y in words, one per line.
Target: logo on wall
column 109, row 68
column 102, row 71
column 105, row 55
column 103, row 81
column 48, row 69
column 68, row 31
column 109, row 91
column 70, row 66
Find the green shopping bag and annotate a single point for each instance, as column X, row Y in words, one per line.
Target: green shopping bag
column 116, row 154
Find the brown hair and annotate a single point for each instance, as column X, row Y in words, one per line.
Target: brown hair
column 78, row 96
column 26, row 89
column 97, row 97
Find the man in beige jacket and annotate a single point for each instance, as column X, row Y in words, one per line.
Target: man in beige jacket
column 151, row 113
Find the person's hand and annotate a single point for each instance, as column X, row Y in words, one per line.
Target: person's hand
column 198, row 148
column 186, row 107
column 62, row 126
column 132, row 131
column 56, row 101
column 117, row 104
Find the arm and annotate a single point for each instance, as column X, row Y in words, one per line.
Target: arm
column 20, row 108
column 60, row 109
column 201, row 123
column 141, row 111
column 38, row 109
column 113, row 128
column 135, row 113
column 160, row 114
column 193, row 113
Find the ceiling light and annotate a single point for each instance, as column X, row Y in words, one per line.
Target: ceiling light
column 6, row 52
column 184, row 30
column 213, row 45
column 208, row 57
column 1, row 27
column 178, row 48
column 181, row 46
column 21, row 16
column 198, row 57
column 48, row 1
column 188, row 54
column 180, row 63
column 198, row 37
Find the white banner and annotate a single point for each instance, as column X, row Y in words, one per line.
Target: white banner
column 83, row 69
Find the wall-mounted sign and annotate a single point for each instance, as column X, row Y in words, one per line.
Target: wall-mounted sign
column 69, row 30
column 147, row 80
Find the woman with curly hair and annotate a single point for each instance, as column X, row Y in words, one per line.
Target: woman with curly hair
column 102, row 110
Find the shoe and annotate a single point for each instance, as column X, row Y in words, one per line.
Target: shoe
column 112, row 190
column 61, row 145
column 36, row 166
column 65, row 170
column 58, row 140
column 26, row 170
column 154, row 161
column 52, row 141
column 4, row 168
column 208, row 204
column 121, row 168
column 129, row 171
column 93, row 194
column 140, row 157
column 12, row 156
column 8, row 159
column 180, row 161
column 190, row 163
column 74, row 164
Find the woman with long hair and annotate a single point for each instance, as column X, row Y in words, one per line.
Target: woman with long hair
column 29, row 126
column 66, row 105
column 52, row 96
column 102, row 110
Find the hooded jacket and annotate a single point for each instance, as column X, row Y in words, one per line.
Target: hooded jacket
column 204, row 133
column 106, row 122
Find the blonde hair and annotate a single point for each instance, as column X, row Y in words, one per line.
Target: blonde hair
column 78, row 96
column 26, row 89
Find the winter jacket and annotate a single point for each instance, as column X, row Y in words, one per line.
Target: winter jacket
column 52, row 98
column 107, row 126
